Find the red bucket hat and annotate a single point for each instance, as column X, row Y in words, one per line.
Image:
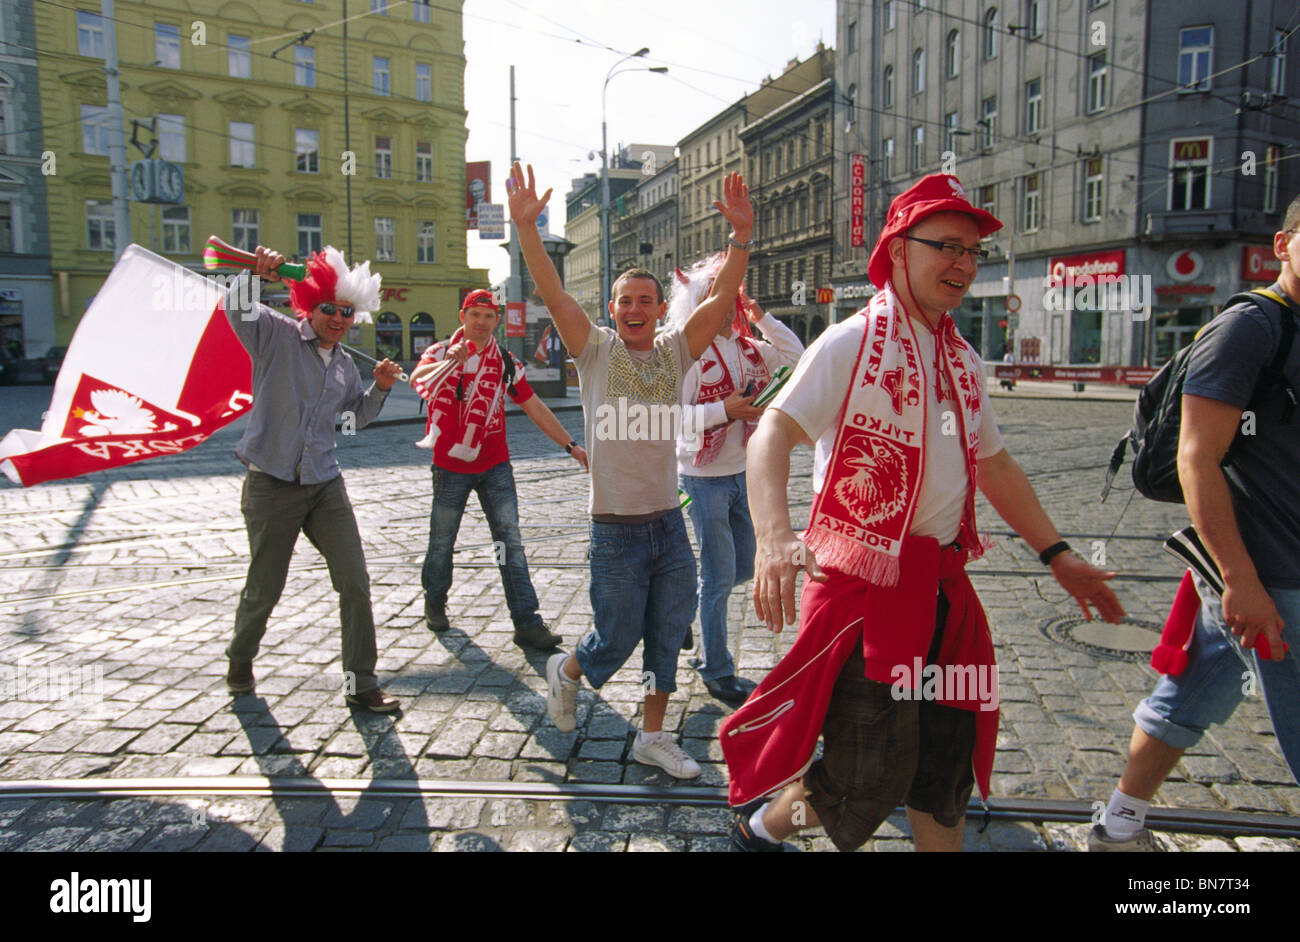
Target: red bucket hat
column 934, row 193
column 480, row 297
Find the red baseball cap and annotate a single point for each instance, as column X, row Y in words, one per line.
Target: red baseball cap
column 480, row 297
column 934, row 193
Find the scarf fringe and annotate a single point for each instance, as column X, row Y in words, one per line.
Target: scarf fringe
column 851, row 558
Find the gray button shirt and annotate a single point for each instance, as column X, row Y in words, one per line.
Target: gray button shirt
column 290, row 433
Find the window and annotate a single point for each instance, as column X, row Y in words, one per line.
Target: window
column 1093, row 4
column 381, row 75
column 423, row 162
column 385, row 239
column 379, row 6
column 425, row 243
column 851, row 42
column 304, row 66
column 6, row 116
column 7, row 243
column 241, row 144
column 1033, row 106
column 819, row 204
column 420, row 10
column 239, row 57
column 918, row 71
column 1195, row 58
column 853, row 106
column 887, row 167
column 887, row 87
column 1033, row 205
column 918, row 147
column 94, row 130
column 821, row 141
column 1034, row 19
column 950, row 132
column 988, row 122
column 1271, row 155
column 1093, row 204
column 991, row 28
column 384, row 158
column 1097, row 82
column 952, row 55
column 90, row 35
column 309, row 234
column 423, row 81
column 243, row 227
column 306, row 146
column 887, row 14
column 1189, row 187
column 176, row 229
column 99, row 225
column 988, row 199
column 171, row 137
column 167, row 45
column 1277, row 73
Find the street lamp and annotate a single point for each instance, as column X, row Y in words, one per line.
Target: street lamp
column 604, row 179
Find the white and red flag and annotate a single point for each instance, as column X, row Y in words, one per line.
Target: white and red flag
column 153, row 369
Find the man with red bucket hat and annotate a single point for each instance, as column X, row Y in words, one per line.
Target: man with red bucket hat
column 893, row 665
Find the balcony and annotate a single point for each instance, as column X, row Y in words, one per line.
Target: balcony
column 1191, row 222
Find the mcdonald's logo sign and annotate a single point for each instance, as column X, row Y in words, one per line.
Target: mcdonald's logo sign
column 1192, row 150
column 825, row 295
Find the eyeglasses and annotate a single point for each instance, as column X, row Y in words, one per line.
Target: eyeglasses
column 343, row 310
column 953, row 250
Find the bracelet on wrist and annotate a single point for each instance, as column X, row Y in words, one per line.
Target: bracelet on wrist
column 1056, row 549
column 569, row 447
column 731, row 240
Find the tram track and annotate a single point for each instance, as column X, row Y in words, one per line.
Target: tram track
column 1037, row 810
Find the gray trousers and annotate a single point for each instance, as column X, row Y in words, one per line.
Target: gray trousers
column 275, row 512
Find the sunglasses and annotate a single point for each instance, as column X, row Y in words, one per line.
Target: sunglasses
column 329, row 310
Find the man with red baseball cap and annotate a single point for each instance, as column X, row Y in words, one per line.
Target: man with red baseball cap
column 893, row 666
column 465, row 381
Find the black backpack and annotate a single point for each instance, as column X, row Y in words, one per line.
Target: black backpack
column 1158, row 415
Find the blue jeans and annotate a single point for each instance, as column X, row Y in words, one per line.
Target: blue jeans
column 496, row 495
column 1181, row 708
column 719, row 510
column 642, row 590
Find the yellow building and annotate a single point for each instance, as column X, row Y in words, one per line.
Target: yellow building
column 249, row 100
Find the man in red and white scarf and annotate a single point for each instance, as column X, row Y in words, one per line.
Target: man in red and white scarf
column 718, row 418
column 893, row 665
column 465, row 381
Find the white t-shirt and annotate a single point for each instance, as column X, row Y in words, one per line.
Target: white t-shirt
column 814, row 398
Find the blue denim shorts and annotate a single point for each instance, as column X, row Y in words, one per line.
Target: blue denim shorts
column 642, row 590
column 1220, row 674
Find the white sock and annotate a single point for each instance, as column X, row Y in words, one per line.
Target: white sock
column 757, row 827
column 645, row 737
column 1124, row 816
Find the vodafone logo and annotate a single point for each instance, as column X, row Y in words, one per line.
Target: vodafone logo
column 1184, row 265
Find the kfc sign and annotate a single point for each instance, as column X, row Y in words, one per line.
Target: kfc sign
column 857, row 197
column 1074, row 267
column 1259, row 264
column 394, row 294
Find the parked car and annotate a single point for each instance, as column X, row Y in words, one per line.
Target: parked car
column 14, row 370
column 51, row 362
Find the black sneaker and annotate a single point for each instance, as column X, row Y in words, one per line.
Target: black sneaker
column 743, row 840
column 538, row 636
column 435, row 613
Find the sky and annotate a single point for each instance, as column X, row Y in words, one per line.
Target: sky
column 715, row 50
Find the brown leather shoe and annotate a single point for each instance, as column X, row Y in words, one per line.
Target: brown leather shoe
column 374, row 700
column 239, row 678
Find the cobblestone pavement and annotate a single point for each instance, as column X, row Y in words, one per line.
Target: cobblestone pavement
column 133, row 576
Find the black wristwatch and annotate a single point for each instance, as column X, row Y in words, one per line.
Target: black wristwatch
column 1056, row 549
column 569, row 447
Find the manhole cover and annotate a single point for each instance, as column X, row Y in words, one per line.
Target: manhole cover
column 1130, row 640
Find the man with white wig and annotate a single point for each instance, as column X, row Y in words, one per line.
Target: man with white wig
column 718, row 417
column 300, row 382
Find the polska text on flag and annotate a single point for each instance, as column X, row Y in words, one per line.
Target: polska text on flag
column 153, row 369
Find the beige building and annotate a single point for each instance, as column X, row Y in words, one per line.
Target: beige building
column 256, row 123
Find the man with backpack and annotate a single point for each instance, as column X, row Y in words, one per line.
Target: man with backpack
column 1238, row 394
column 465, row 381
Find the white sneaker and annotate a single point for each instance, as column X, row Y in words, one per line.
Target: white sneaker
column 561, row 694
column 663, row 752
column 1101, row 842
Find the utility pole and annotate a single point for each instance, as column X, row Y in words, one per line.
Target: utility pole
column 514, row 284
column 347, row 133
column 116, row 135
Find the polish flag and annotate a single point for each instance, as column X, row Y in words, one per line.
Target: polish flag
column 153, row 369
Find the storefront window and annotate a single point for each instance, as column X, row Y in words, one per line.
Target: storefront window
column 388, row 336
column 1176, row 329
column 422, row 334
column 1085, row 337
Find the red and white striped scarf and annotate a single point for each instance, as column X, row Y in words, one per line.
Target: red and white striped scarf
column 470, row 416
column 868, row 498
column 753, row 368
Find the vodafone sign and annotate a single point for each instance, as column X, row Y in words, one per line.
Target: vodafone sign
column 1184, row 265
column 1259, row 264
column 1073, row 267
